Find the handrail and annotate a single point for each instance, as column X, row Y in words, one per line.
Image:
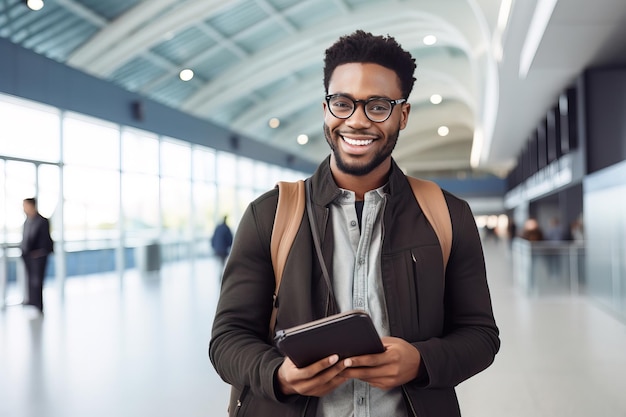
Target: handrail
column 548, row 266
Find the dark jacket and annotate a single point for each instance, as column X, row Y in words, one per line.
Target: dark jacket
column 449, row 321
column 36, row 241
column 222, row 239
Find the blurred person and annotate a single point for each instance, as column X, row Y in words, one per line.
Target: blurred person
column 532, row 231
column 554, row 232
column 576, row 230
column 222, row 240
column 382, row 256
column 36, row 246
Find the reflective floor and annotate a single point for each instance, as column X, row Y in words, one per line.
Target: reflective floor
column 137, row 346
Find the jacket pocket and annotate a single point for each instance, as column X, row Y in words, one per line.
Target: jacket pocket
column 401, row 293
column 238, row 404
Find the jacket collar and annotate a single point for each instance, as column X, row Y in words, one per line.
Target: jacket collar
column 326, row 190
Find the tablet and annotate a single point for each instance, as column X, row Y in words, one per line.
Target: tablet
column 346, row 334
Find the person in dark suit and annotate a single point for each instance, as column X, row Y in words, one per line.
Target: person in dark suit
column 36, row 246
column 222, row 240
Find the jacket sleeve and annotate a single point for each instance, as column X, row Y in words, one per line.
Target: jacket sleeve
column 239, row 348
column 470, row 340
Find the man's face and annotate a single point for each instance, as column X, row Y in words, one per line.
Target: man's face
column 28, row 209
column 358, row 144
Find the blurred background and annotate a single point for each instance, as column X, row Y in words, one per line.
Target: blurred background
column 138, row 125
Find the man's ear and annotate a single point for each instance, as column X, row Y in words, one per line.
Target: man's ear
column 406, row 109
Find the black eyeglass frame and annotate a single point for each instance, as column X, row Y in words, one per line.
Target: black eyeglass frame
column 392, row 103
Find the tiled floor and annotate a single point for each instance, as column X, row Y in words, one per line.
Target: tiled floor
column 137, row 346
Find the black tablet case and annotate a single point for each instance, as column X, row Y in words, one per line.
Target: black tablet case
column 346, row 334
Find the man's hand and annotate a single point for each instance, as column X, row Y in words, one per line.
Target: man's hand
column 398, row 365
column 316, row 380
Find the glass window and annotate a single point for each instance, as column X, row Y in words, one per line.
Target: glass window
column 48, row 195
column 291, row 175
column 261, row 176
column 203, row 164
column 3, row 200
column 245, row 170
column 226, row 203
column 176, row 206
column 20, row 184
column 244, row 197
column 140, row 152
column 204, row 208
column 91, row 208
column 226, row 169
column 276, row 174
column 29, row 130
column 175, row 159
column 90, row 142
column 140, row 203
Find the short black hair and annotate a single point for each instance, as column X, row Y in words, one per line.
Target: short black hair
column 364, row 47
column 32, row 201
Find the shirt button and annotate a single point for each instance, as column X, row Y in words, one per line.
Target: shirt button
column 361, row 400
column 353, row 223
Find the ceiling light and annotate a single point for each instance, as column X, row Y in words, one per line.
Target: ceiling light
column 477, row 147
column 443, row 131
column 429, row 40
column 303, row 139
column 274, row 122
column 536, row 29
column 34, row 4
column 436, row 99
column 186, row 74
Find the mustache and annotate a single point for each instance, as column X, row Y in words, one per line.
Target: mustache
column 349, row 132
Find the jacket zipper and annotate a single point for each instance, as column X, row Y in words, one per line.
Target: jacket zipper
column 328, row 300
column 240, row 400
column 306, row 406
column 408, row 401
column 382, row 218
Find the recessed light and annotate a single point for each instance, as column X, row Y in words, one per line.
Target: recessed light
column 34, row 4
column 436, row 99
column 429, row 40
column 303, row 139
column 274, row 122
column 186, row 74
column 443, row 131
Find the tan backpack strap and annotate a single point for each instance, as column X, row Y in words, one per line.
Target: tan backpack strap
column 289, row 212
column 430, row 198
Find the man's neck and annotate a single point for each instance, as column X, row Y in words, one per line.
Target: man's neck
column 361, row 184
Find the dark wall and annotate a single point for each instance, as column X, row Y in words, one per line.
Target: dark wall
column 606, row 117
column 35, row 77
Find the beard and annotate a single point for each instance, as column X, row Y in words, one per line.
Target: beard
column 361, row 167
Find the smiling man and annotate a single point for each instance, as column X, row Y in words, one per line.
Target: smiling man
column 382, row 256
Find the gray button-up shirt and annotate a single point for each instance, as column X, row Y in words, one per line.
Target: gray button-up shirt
column 358, row 285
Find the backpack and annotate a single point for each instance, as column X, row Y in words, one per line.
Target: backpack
column 290, row 209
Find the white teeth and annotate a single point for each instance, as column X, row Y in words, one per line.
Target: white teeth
column 355, row 142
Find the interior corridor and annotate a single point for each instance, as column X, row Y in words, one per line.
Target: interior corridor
column 137, row 346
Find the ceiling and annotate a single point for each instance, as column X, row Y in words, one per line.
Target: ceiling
column 258, row 59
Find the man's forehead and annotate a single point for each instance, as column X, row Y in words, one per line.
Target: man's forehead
column 364, row 76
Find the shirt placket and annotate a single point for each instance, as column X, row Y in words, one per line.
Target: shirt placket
column 360, row 289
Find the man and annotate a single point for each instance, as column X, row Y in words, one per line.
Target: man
column 222, row 240
column 383, row 257
column 36, row 246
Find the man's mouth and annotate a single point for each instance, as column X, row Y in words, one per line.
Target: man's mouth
column 357, row 142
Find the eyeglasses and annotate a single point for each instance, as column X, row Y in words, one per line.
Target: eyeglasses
column 376, row 109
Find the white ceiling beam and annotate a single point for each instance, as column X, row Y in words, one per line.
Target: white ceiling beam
column 116, row 31
column 149, row 35
column 305, row 49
